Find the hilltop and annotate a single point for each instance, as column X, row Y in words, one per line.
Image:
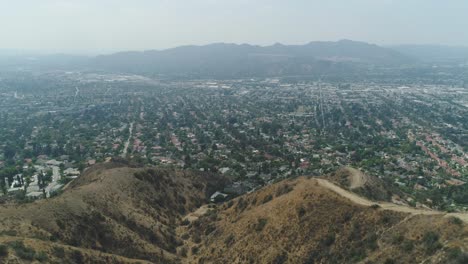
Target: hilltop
column 434, row 53
column 308, row 220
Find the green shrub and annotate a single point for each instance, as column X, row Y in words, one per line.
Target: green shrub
column 431, row 242
column 230, row 203
column 357, row 254
column 453, row 253
column 301, row 212
column 457, row 256
column 59, row 252
column 329, row 239
column 260, row 224
column 386, row 219
column 397, row 239
column 229, row 240
column 42, row 256
column 209, row 229
column 77, row 256
column 241, row 205
column 461, row 259
column 9, row 233
column 284, row 189
column 3, row 250
column 185, row 222
column 407, row 245
column 23, row 251
column 196, row 238
column 455, row 220
column 371, row 241
column 194, row 250
column 183, row 252
column 280, row 259
column 267, row 198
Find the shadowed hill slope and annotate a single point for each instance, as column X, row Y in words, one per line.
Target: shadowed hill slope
column 115, row 209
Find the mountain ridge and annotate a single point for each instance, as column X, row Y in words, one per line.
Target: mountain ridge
column 231, row 60
column 434, row 53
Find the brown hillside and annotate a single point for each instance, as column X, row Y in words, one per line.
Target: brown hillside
column 119, row 214
column 113, row 209
column 302, row 221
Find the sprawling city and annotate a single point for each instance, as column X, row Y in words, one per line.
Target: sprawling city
column 244, row 132
column 256, row 131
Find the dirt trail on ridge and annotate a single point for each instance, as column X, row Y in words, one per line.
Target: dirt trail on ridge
column 386, row 205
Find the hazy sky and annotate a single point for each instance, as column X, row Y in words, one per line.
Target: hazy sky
column 109, row 25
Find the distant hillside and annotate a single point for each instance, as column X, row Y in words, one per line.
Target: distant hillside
column 42, row 61
column 434, row 53
column 231, row 60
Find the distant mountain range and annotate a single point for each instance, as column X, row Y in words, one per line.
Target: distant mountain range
column 434, row 53
column 221, row 60
column 231, row 60
column 42, row 61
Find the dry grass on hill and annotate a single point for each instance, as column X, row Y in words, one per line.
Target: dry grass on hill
column 114, row 209
column 300, row 221
column 120, row 214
